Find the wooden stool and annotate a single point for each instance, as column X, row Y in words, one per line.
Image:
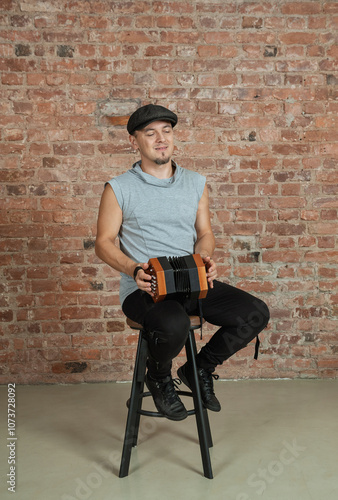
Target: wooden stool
column 137, row 394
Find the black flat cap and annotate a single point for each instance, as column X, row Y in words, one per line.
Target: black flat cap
column 147, row 114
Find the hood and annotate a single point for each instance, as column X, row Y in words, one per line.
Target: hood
column 154, row 181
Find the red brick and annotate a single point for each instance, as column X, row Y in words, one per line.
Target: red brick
column 159, row 51
column 325, row 362
column 46, row 285
column 281, row 255
column 12, row 79
column 180, row 37
column 172, row 7
column 252, row 22
column 45, row 314
column 287, row 201
column 76, row 286
column 6, row 315
column 69, row 367
column 329, row 214
column 301, row 8
column 321, row 256
column 141, row 21
column 84, row 340
column 326, row 242
column 219, row 38
column 257, row 286
column 80, row 313
column 96, row 22
column 330, row 8
column 298, row 38
column 115, row 326
column 90, row 354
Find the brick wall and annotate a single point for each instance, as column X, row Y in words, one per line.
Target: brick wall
column 255, row 86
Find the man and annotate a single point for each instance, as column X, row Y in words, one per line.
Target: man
column 158, row 208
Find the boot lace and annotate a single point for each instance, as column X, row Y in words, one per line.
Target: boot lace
column 207, row 381
column 169, row 390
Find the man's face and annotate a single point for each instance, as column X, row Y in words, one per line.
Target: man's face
column 155, row 142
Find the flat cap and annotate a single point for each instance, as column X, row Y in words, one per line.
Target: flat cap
column 147, row 114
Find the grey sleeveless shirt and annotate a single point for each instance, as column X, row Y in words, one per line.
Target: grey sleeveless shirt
column 159, row 216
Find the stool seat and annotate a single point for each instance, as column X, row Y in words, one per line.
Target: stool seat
column 195, row 322
column 137, row 394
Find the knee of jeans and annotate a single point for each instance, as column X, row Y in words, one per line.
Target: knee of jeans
column 168, row 318
column 254, row 321
column 259, row 316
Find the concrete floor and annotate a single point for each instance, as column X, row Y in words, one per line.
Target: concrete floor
column 275, row 440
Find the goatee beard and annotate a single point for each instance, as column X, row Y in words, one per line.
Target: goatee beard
column 162, row 161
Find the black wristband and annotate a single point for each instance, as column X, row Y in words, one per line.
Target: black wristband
column 136, row 270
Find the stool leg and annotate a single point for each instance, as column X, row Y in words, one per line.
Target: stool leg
column 207, row 428
column 202, row 422
column 205, row 412
column 133, row 419
column 141, row 370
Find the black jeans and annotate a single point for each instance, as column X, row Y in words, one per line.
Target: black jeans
column 240, row 316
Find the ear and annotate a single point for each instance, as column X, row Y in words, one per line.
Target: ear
column 133, row 142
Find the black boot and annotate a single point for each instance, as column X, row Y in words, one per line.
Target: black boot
column 206, row 385
column 166, row 398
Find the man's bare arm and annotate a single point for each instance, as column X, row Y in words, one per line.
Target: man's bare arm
column 205, row 243
column 108, row 226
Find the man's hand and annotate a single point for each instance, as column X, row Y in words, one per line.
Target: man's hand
column 143, row 279
column 211, row 269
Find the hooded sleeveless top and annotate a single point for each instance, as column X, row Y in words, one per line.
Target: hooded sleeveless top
column 158, row 216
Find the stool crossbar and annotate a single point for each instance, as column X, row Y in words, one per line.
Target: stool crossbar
column 137, row 394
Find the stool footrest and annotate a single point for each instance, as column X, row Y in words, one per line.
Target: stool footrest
column 149, row 413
